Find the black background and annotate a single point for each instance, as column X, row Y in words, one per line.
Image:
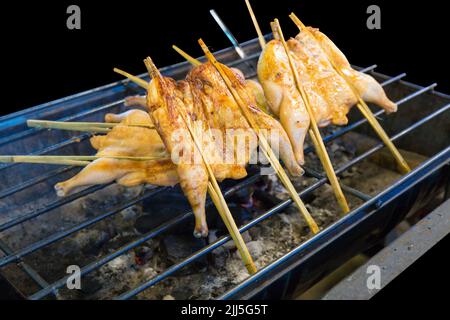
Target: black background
column 42, row 60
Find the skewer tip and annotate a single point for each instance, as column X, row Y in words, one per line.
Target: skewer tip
column 202, row 43
column 190, row 59
column 297, row 21
column 151, row 68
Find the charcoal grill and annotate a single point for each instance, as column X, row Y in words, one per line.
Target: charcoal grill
column 421, row 125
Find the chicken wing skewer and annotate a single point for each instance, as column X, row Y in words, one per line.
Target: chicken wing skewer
column 314, row 131
column 117, row 155
column 98, row 127
column 363, row 87
column 236, row 89
column 213, row 186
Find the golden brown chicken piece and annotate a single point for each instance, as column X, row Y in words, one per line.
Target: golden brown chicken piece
column 166, row 103
column 224, row 114
column 224, row 135
column 205, row 102
column 329, row 94
column 284, row 99
column 125, row 140
column 368, row 88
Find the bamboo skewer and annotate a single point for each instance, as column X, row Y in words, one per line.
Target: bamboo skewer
column 44, row 160
column 182, row 53
column 71, row 126
column 73, row 160
column 186, row 56
column 262, row 41
column 137, row 80
column 264, row 143
column 213, row 187
column 314, row 131
column 362, row 106
column 274, row 30
column 101, row 127
column 196, row 62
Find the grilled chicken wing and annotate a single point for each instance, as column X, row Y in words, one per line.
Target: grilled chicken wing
column 328, row 93
column 331, row 92
column 225, row 138
column 224, row 114
column 167, row 108
column 125, row 140
column 204, row 100
column 368, row 88
column 284, row 99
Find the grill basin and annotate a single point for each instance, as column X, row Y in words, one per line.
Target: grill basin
column 28, row 201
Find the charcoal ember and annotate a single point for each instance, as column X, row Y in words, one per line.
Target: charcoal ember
column 181, row 293
column 88, row 241
column 241, row 216
column 89, row 206
column 255, row 233
column 143, row 254
column 230, row 244
column 90, row 285
column 130, row 213
column 163, row 207
column 322, row 216
column 93, row 206
column 94, row 241
column 219, row 257
column 132, row 192
column 255, row 248
column 350, row 172
column 178, row 247
column 242, row 196
column 265, row 200
column 293, row 218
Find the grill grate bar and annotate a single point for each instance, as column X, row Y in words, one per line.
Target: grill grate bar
column 350, row 190
column 133, row 292
column 64, row 201
column 219, row 242
column 33, row 274
column 149, row 235
column 60, row 235
column 61, row 202
column 31, row 131
column 51, row 148
column 34, row 181
column 377, row 202
column 104, row 107
column 46, row 176
column 54, row 205
column 393, row 79
column 47, row 289
column 358, row 123
column 394, row 138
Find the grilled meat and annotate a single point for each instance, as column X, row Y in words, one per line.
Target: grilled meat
column 328, row 93
column 124, row 140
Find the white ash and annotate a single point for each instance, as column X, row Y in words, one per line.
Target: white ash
column 210, row 276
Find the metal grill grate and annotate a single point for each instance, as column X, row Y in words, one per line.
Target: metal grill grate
column 245, row 64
